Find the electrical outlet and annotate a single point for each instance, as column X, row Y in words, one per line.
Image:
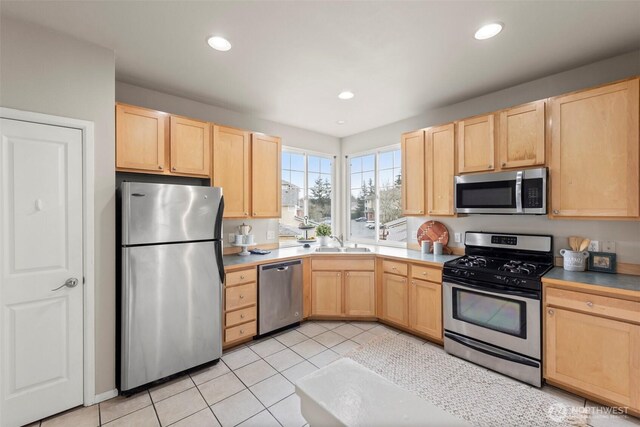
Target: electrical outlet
column 609, row 246
column 232, row 237
column 457, row 237
column 271, row 235
column 594, row 246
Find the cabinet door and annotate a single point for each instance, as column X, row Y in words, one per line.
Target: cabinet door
column 425, row 308
column 359, row 293
column 594, row 152
column 476, row 143
column 413, row 179
column 266, row 186
column 522, row 136
column 440, row 162
column 190, row 147
column 594, row 354
column 231, row 169
column 395, row 299
column 140, row 138
column 326, row 293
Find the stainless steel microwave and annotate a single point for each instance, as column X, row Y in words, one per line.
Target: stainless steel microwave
column 513, row 192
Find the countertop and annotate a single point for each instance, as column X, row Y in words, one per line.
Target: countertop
column 622, row 282
column 234, row 261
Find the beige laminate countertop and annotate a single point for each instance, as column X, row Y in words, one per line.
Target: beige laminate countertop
column 233, row 262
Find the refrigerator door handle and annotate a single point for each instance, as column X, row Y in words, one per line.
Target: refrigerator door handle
column 218, row 249
column 217, row 231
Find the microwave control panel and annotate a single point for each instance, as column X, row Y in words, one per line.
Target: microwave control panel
column 532, row 196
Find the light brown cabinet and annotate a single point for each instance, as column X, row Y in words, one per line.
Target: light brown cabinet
column 141, row 137
column 326, row 293
column 440, row 165
column 425, row 308
column 240, row 305
column 231, row 169
column 522, row 136
column 592, row 345
column 413, row 173
column 594, row 161
column 395, row 299
column 359, row 293
column 266, row 187
column 476, row 144
column 190, row 147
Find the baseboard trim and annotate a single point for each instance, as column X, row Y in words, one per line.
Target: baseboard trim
column 110, row 394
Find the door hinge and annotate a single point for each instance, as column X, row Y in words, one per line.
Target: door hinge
column 84, row 280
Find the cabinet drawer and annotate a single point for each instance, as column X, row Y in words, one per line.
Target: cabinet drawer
column 351, row 264
column 394, row 267
column 426, row 273
column 240, row 296
column 242, row 276
column 595, row 304
column 240, row 316
column 239, row 332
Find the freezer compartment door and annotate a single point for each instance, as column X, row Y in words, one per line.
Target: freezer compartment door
column 171, row 311
column 161, row 213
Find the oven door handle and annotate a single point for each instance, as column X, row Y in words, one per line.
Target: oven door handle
column 493, row 290
column 491, row 351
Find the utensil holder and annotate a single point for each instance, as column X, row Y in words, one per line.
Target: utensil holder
column 574, row 260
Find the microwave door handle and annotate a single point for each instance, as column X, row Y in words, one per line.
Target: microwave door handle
column 519, row 191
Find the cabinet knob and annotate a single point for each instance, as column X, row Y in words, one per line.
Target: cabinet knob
column 504, row 164
column 589, row 304
column 424, row 273
column 246, row 213
column 159, row 166
column 241, row 277
column 242, row 316
column 393, row 268
column 347, row 274
column 490, row 166
column 241, row 296
column 556, row 211
column 550, row 311
column 254, row 214
column 241, row 331
column 173, row 168
column 419, row 211
column 430, row 211
column 338, row 274
column 413, row 282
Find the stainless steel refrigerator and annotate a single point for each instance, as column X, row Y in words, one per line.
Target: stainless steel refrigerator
column 171, row 280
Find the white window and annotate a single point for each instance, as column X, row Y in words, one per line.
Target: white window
column 307, row 183
column 375, row 203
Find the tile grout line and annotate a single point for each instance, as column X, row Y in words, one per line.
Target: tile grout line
column 255, row 397
column 205, row 400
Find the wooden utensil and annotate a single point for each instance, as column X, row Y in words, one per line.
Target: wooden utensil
column 574, row 242
column 434, row 231
column 585, row 244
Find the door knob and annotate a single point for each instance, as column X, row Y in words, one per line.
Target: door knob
column 69, row 283
column 556, row 211
column 550, row 312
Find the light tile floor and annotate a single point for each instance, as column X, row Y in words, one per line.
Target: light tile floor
column 253, row 385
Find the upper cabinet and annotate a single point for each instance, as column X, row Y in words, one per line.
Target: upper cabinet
column 476, row 144
column 521, row 136
column 594, row 152
column 266, row 184
column 413, row 173
column 440, row 162
column 231, row 169
column 190, row 146
column 141, row 137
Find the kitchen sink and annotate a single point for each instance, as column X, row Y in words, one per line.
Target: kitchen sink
column 362, row 250
column 334, row 250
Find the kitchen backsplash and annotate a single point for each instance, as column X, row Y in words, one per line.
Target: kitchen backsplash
column 625, row 234
column 263, row 229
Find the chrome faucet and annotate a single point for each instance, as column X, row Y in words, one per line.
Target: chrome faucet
column 340, row 240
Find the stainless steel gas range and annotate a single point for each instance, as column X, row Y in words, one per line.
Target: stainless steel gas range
column 492, row 302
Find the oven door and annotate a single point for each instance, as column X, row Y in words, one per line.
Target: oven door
column 502, row 317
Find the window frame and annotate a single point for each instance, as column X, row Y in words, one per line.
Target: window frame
column 347, row 199
column 305, row 207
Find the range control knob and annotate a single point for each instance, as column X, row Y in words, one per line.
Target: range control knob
column 465, row 273
column 456, row 271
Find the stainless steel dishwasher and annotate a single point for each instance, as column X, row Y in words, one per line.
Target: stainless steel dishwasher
column 279, row 295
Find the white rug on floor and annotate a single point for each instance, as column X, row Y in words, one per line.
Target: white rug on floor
column 482, row 397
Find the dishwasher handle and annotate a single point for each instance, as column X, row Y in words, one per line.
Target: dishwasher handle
column 283, row 268
column 280, row 266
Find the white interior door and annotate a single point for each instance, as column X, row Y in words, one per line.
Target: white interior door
column 41, row 248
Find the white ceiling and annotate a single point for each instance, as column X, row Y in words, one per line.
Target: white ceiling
column 290, row 59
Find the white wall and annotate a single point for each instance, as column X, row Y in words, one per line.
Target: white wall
column 625, row 233
column 47, row 72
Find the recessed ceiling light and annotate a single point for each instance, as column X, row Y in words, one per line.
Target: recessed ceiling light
column 340, row 122
column 346, row 95
column 219, row 43
column 488, row 31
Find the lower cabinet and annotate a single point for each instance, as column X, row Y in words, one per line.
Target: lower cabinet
column 395, row 299
column 337, row 291
column 240, row 306
column 425, row 308
column 590, row 353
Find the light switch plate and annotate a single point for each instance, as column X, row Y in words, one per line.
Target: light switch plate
column 609, row 246
column 271, row 235
column 232, row 237
column 594, row 246
column 457, row 237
